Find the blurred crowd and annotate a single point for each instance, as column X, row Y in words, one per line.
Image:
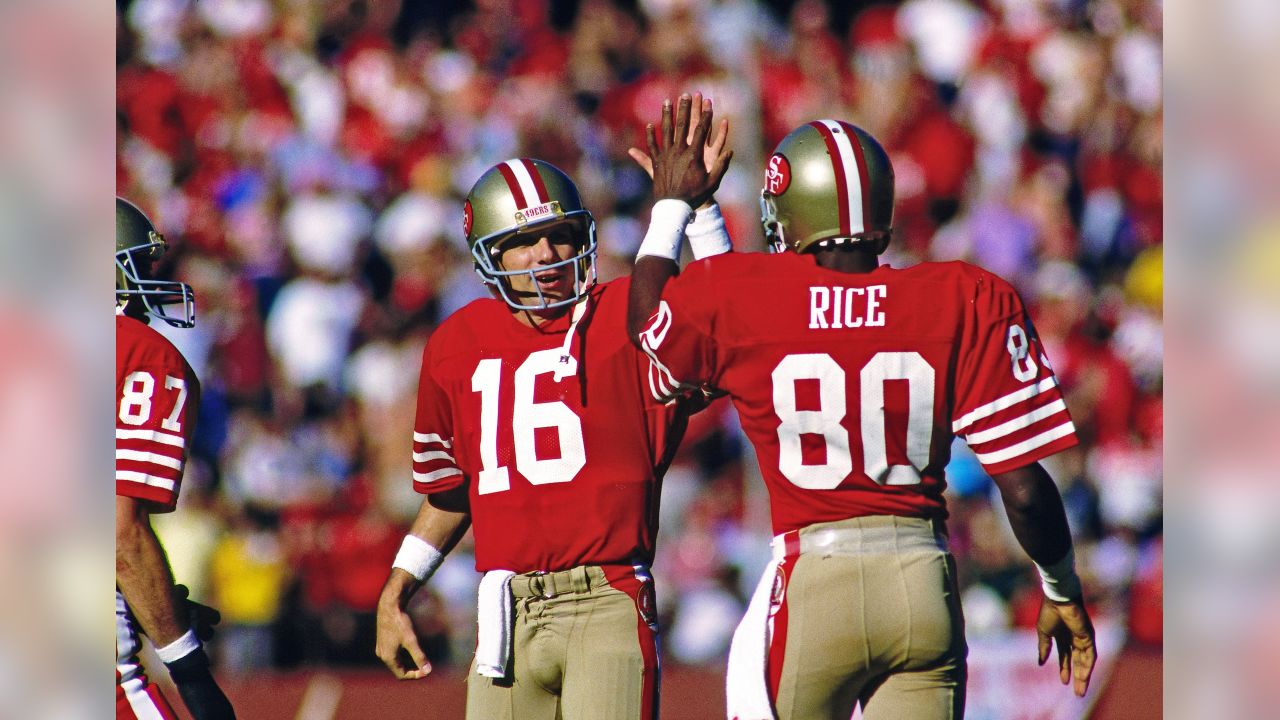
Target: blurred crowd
column 307, row 161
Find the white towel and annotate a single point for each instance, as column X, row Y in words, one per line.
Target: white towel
column 746, row 682
column 494, row 617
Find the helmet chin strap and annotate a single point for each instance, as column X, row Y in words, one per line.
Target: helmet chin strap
column 568, row 364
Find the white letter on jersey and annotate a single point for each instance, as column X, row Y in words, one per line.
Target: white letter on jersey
column 825, row 421
column 1018, row 346
column 659, row 325
column 849, row 319
column 528, row 416
column 875, row 317
column 819, row 303
column 913, row 368
column 135, row 401
column 486, row 380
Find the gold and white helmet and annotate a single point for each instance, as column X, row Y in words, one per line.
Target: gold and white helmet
column 827, row 182
column 519, row 197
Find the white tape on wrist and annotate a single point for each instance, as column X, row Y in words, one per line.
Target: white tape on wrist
column 666, row 229
column 707, row 233
column 1059, row 580
column 179, row 648
column 418, row 558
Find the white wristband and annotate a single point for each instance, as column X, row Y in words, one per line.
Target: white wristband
column 666, row 229
column 1059, row 580
column 417, row 557
column 179, row 648
column 707, row 233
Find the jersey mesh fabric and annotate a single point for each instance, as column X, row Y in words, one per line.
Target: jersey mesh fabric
column 851, row 386
column 559, row 473
column 156, row 398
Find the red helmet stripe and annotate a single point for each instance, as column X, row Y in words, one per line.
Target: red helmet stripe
column 513, row 185
column 842, row 180
column 538, row 184
column 863, row 176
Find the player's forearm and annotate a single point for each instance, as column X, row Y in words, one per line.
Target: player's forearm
column 649, row 277
column 442, row 520
column 145, row 579
column 1035, row 511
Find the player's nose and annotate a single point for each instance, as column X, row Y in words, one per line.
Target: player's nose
column 542, row 250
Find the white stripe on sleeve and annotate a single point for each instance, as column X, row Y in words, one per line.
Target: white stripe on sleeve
column 153, row 458
column 429, row 456
column 437, row 475
column 1018, row 423
column 152, row 435
column 999, row 404
column 145, row 479
column 1027, row 446
column 431, row 438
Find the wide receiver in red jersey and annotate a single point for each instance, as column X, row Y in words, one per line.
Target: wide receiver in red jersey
column 851, row 378
column 156, row 398
column 536, row 422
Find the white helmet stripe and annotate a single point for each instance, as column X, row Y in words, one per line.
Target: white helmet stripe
column 527, row 186
column 852, row 176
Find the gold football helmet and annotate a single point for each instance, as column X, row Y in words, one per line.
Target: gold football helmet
column 522, row 196
column 827, row 182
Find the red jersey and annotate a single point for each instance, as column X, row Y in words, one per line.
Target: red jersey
column 851, row 386
column 156, row 398
column 560, row 472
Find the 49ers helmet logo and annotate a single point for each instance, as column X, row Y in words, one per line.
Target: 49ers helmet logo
column 466, row 218
column 777, row 175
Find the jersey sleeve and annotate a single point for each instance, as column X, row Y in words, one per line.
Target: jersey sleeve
column 434, row 466
column 156, row 408
column 678, row 340
column 1009, row 408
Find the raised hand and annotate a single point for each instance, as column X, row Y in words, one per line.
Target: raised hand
column 1068, row 626
column 715, row 143
column 688, row 166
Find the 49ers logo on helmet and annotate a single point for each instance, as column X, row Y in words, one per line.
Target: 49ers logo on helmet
column 466, row 218
column 777, row 175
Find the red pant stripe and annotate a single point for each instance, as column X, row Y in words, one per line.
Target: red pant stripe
column 625, row 579
column 778, row 627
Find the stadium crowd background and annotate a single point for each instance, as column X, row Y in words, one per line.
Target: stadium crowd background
column 307, row 162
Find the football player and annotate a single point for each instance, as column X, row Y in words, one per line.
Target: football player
column 536, row 424
column 156, row 398
column 851, row 378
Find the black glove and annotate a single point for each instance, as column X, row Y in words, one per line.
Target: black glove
column 204, row 699
column 201, row 618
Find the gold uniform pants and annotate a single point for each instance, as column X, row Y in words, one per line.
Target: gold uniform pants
column 584, row 647
column 867, row 611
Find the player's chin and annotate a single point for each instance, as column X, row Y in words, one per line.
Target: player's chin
column 547, row 296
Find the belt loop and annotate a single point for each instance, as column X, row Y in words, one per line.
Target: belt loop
column 580, row 580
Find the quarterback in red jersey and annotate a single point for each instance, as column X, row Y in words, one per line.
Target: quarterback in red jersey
column 156, row 398
column 851, row 379
column 536, row 423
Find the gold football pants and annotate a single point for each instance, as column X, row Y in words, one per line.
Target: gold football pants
column 584, row 647
column 867, row 611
